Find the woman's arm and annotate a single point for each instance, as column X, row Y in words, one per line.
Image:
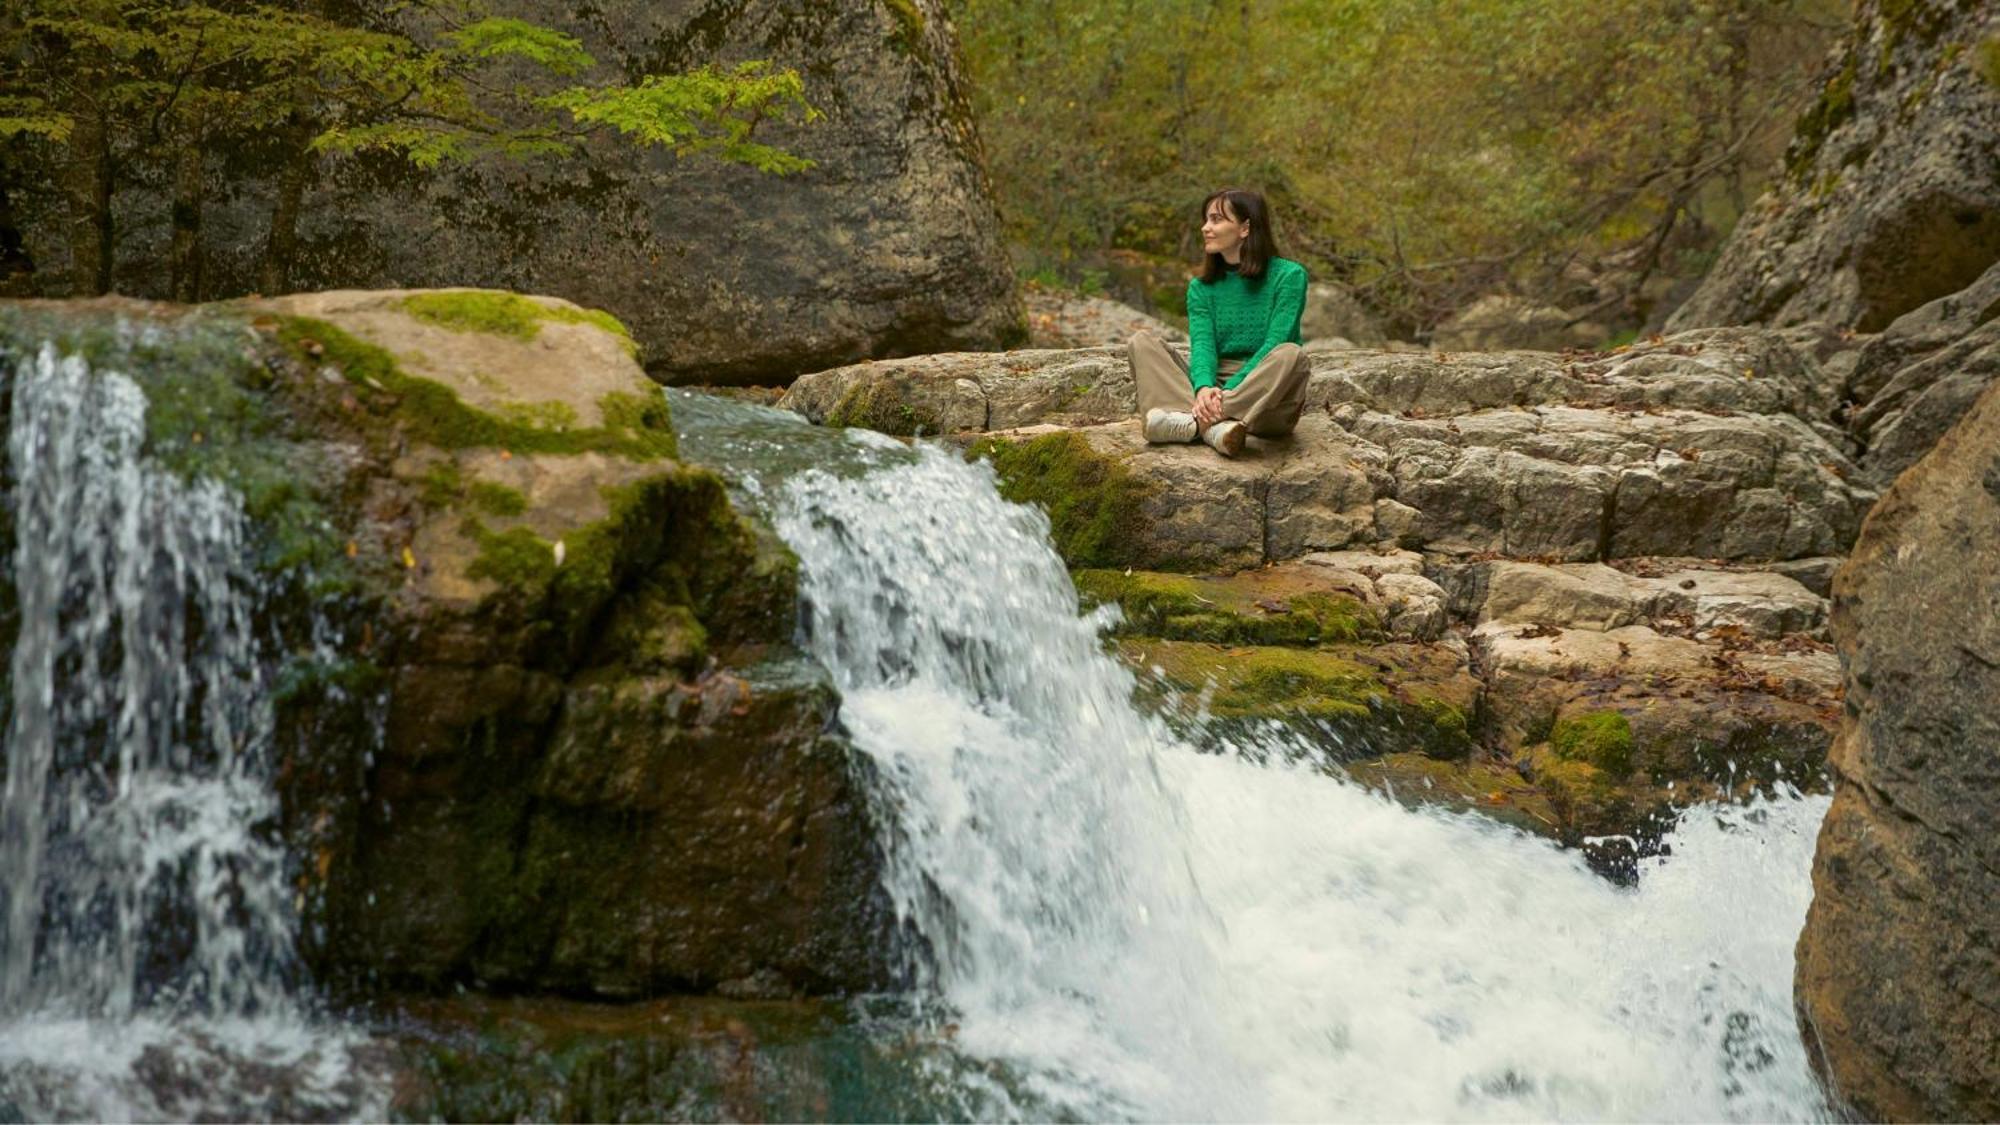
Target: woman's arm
column 1288, row 303
column 1201, row 336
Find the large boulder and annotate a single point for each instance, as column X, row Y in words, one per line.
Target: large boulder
column 539, row 725
column 1332, row 313
column 1890, row 196
column 1499, row 322
column 1900, row 957
column 1073, row 320
column 889, row 246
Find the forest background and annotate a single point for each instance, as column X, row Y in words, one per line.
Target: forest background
column 1587, row 154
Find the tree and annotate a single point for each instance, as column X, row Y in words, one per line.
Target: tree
column 164, row 84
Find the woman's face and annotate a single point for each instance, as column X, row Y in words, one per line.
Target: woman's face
column 1222, row 232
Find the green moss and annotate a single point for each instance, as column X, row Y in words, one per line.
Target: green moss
column 1601, row 738
column 1223, row 611
column 1263, row 682
column 879, row 404
column 1094, row 503
column 209, row 413
column 909, row 24
column 497, row 313
column 672, row 539
column 1445, row 730
column 516, row 558
column 1986, row 61
column 506, row 314
column 1834, row 107
column 431, row 413
column 1586, row 798
column 443, row 485
column 497, row 499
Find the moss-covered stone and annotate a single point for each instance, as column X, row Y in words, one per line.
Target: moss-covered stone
column 1601, row 738
column 1490, row 788
column 1239, row 609
column 1588, row 800
column 433, row 415
column 880, row 404
column 506, row 314
column 1986, row 61
column 1832, row 109
column 1094, row 503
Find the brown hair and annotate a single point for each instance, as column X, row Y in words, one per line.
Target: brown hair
column 1259, row 248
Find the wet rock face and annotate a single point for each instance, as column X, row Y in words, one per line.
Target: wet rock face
column 1900, row 957
column 890, row 246
column 1891, row 192
column 539, row 725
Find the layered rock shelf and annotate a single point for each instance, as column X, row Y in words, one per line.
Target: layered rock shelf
column 1575, row 590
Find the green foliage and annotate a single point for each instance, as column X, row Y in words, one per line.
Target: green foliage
column 1423, row 151
column 707, row 110
column 162, row 84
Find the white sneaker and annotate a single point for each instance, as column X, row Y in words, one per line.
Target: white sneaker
column 1163, row 425
column 1226, row 436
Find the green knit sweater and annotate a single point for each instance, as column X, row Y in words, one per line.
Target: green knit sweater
column 1238, row 318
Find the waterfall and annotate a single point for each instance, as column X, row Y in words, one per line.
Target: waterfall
column 1126, row 924
column 145, row 907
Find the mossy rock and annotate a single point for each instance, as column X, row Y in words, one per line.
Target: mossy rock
column 1602, row 739
column 1343, row 691
column 1481, row 785
column 507, row 314
column 1094, row 503
column 634, row 424
column 882, row 404
column 1587, row 800
column 1242, row 609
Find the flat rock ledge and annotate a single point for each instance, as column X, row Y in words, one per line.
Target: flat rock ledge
column 1582, row 701
column 1692, row 445
column 1575, row 590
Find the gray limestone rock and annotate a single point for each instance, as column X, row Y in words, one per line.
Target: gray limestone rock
column 1891, row 190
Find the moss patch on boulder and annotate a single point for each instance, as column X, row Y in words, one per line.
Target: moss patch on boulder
column 1603, row 739
column 636, row 427
column 882, row 405
column 1094, row 503
column 1233, row 610
column 506, row 314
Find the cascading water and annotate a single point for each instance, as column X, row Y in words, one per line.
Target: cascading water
column 1120, row 925
column 145, row 909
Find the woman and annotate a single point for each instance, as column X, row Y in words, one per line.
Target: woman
column 1245, row 372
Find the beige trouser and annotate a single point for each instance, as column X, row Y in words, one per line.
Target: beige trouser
column 1267, row 401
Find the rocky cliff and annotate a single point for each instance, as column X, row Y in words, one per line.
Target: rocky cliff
column 889, row 246
column 1890, row 196
column 1900, row 958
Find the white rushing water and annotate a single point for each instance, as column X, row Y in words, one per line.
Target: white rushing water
column 146, row 946
column 1128, row 927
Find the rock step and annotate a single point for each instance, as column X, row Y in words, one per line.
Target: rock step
column 1613, row 697
column 1692, row 445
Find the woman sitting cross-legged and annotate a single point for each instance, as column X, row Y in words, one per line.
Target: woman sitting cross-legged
column 1245, row 372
